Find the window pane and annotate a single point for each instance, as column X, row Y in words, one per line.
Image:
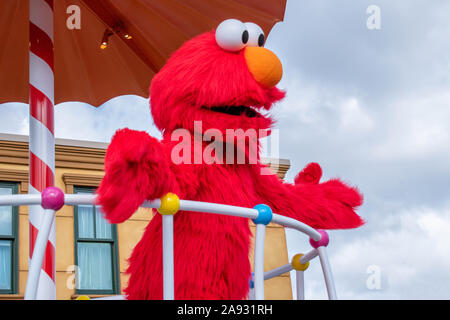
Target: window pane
column 5, row 265
column 102, row 227
column 5, row 214
column 85, row 221
column 95, row 262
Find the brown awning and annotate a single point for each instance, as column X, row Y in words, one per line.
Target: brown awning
column 86, row 73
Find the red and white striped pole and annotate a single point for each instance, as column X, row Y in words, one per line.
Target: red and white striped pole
column 42, row 139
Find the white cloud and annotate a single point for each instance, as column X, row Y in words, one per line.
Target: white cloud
column 416, row 126
column 80, row 121
column 14, row 118
column 353, row 118
column 300, row 101
column 413, row 258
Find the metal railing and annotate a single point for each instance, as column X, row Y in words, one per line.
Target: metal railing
column 52, row 199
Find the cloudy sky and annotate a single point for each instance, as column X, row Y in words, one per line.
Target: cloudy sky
column 372, row 107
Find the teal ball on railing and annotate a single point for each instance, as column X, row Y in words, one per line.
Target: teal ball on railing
column 264, row 214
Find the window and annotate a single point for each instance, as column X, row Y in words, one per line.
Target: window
column 8, row 241
column 95, row 250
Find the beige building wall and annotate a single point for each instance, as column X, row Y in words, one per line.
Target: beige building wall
column 80, row 163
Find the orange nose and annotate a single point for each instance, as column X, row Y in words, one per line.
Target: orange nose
column 264, row 65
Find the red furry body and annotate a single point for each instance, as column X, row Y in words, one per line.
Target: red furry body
column 211, row 251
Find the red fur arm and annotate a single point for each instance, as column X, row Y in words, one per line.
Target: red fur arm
column 136, row 169
column 328, row 205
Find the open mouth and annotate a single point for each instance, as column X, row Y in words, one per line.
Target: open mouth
column 236, row 111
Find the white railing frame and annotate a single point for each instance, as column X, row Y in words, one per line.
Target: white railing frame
column 168, row 257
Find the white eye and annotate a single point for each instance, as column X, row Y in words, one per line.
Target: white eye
column 256, row 35
column 231, row 35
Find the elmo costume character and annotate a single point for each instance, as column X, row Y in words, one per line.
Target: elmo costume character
column 221, row 80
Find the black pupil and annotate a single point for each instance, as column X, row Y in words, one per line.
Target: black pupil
column 261, row 40
column 245, row 37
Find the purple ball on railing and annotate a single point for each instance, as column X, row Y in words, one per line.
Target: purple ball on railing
column 52, row 198
column 323, row 242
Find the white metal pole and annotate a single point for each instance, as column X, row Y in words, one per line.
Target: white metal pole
column 251, row 295
column 20, row 199
column 188, row 205
column 277, row 271
column 300, row 281
column 326, row 268
column 168, row 260
column 38, row 255
column 297, row 225
column 309, row 256
column 77, row 199
column 259, row 261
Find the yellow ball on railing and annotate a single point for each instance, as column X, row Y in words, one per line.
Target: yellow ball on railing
column 83, row 298
column 297, row 265
column 170, row 204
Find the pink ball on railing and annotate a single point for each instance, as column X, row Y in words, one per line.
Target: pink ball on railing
column 52, row 198
column 323, row 242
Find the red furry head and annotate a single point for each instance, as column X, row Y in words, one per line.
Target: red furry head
column 203, row 82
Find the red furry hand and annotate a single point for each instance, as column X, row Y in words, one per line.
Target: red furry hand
column 129, row 146
column 135, row 170
column 333, row 204
column 334, row 201
column 310, row 174
column 336, row 190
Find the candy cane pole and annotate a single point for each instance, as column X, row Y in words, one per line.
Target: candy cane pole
column 42, row 140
